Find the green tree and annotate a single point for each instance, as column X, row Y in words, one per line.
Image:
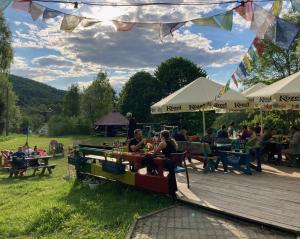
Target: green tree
column 72, row 101
column 138, row 94
column 8, row 96
column 174, row 74
column 6, row 52
column 177, row 72
column 97, row 99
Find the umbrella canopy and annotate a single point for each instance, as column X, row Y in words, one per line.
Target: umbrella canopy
column 253, row 89
column 200, row 95
column 283, row 94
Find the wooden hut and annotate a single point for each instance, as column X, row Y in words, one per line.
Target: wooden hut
column 111, row 124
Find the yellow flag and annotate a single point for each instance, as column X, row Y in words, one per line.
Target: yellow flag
column 247, row 63
column 277, row 6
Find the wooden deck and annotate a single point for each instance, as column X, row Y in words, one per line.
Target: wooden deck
column 271, row 197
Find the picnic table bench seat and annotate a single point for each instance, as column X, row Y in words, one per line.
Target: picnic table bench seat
column 16, row 171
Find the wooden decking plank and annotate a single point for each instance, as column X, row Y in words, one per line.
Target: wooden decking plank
column 253, row 214
column 245, row 188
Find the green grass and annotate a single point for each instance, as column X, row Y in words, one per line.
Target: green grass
column 51, row 207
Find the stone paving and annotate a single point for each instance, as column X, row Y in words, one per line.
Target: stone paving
column 186, row 222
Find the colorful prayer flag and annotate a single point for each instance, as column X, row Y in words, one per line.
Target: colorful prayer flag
column 22, row 5
column 123, row 26
column 51, row 13
column 253, row 54
column 245, row 10
column 224, row 89
column 205, row 21
column 259, row 45
column 4, row 4
column 261, row 21
column 36, row 11
column 234, row 80
column 277, row 7
column 169, row 28
column 88, row 22
column 239, row 73
column 247, row 63
column 69, row 23
column 243, row 69
column 285, row 33
column 224, row 20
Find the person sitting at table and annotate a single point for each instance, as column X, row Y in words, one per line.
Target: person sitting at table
column 27, row 150
column 294, row 145
column 137, row 143
column 222, row 133
column 208, row 138
column 181, row 135
column 18, row 160
column 257, row 129
column 231, row 130
column 246, row 133
column 167, row 146
column 269, row 147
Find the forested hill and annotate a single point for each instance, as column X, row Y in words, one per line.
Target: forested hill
column 34, row 94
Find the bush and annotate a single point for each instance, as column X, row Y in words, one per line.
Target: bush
column 60, row 125
column 237, row 117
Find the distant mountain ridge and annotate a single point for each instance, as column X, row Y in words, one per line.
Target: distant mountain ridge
column 34, row 94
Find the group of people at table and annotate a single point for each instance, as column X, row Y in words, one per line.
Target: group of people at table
column 19, row 158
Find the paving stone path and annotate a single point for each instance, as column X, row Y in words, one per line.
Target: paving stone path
column 186, row 222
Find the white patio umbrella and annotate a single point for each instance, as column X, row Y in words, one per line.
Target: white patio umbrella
column 282, row 95
column 200, row 95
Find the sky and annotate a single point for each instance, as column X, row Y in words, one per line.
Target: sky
column 44, row 53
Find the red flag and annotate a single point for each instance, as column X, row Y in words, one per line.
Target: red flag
column 235, row 80
column 22, row 5
column 259, row 45
column 245, row 10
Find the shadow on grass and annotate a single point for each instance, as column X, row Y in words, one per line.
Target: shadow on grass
column 109, row 209
column 6, row 180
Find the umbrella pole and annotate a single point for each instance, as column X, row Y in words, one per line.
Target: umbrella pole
column 203, row 121
column 261, row 122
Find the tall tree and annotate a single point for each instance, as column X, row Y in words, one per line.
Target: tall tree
column 12, row 112
column 97, row 99
column 6, row 52
column 72, row 101
column 174, row 74
column 177, row 72
column 9, row 98
column 137, row 95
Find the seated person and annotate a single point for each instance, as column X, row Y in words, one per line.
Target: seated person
column 18, row 160
column 294, row 144
column 19, row 153
column 167, row 146
column 257, row 129
column 208, row 138
column 27, row 150
column 246, row 133
column 137, row 143
column 222, row 133
column 181, row 135
column 269, row 147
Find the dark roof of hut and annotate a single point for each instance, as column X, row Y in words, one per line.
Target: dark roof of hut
column 112, row 118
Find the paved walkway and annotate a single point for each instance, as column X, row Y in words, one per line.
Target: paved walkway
column 185, row 222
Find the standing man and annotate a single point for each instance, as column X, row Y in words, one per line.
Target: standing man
column 131, row 126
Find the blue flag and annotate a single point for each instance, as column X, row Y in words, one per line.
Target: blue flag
column 243, row 69
column 295, row 5
column 285, row 33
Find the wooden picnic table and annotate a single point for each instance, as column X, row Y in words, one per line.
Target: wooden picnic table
column 33, row 162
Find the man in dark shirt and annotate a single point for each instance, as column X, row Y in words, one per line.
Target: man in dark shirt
column 222, row 133
column 257, row 129
column 136, row 143
column 131, row 125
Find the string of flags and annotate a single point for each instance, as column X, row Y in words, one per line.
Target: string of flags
column 259, row 18
column 266, row 25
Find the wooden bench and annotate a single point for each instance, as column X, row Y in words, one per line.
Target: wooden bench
column 15, row 172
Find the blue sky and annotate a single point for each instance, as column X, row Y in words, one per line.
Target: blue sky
column 46, row 54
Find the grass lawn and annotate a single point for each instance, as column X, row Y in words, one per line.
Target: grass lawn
column 51, row 207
